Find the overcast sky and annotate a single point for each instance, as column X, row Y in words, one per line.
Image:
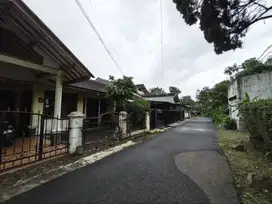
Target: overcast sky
column 131, row 31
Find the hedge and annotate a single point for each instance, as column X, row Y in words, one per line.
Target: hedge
column 257, row 116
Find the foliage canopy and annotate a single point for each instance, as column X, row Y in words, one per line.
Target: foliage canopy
column 156, row 91
column 248, row 67
column 223, row 22
column 120, row 90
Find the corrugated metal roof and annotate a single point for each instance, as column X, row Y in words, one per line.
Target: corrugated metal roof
column 21, row 17
column 167, row 99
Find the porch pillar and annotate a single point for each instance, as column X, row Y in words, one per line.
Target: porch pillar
column 57, row 104
column 86, row 107
column 37, row 105
column 58, row 96
column 98, row 112
column 80, row 103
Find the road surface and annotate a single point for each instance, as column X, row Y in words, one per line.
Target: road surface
column 183, row 165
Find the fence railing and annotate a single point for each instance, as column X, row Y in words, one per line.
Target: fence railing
column 135, row 122
column 100, row 132
column 27, row 137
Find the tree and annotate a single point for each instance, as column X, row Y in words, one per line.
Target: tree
column 214, row 98
column 156, row 91
column 187, row 100
column 249, row 66
column 224, row 23
column 120, row 90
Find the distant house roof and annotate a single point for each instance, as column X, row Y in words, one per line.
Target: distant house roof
column 141, row 89
column 90, row 85
column 20, row 17
column 98, row 84
column 102, row 81
column 168, row 98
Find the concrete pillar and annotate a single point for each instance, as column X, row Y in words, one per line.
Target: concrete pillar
column 58, row 96
column 80, row 103
column 57, row 104
column 37, row 104
column 86, row 106
column 147, row 121
column 75, row 131
column 123, row 122
column 99, row 112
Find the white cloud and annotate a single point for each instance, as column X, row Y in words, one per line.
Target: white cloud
column 131, row 30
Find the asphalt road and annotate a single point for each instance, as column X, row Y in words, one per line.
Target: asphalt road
column 183, row 165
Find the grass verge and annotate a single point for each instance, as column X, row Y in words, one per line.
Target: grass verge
column 245, row 162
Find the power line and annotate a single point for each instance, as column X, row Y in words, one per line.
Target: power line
column 97, row 34
column 162, row 61
column 270, row 46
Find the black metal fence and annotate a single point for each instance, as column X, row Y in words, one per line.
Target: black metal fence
column 163, row 117
column 101, row 132
column 28, row 137
column 135, row 122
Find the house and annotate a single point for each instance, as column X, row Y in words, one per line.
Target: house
column 41, row 82
column 141, row 90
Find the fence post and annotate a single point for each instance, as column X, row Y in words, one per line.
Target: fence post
column 147, row 121
column 75, row 131
column 123, row 122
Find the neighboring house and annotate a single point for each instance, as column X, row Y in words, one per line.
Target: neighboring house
column 141, row 90
column 165, row 109
column 256, row 85
column 93, row 95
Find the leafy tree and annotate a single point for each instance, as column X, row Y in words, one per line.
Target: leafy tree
column 248, row 67
column 214, row 98
column 120, row 90
column 187, row 100
column 156, row 91
column 223, row 22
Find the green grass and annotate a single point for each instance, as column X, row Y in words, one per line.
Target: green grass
column 243, row 163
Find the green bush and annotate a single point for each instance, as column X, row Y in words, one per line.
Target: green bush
column 257, row 116
column 229, row 123
column 136, row 110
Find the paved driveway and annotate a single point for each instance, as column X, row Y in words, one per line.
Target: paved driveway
column 182, row 165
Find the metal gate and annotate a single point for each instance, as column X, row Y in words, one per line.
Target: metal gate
column 29, row 137
column 101, row 132
column 163, row 117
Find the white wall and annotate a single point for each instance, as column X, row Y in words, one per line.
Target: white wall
column 257, row 85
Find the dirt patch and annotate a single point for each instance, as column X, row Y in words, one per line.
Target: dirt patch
column 245, row 163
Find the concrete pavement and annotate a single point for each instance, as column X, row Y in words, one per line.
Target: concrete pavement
column 182, row 165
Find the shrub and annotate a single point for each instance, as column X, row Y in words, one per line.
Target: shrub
column 229, row 123
column 257, row 116
column 136, row 110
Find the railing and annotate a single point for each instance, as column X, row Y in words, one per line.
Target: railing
column 100, row 132
column 28, row 137
column 135, row 122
